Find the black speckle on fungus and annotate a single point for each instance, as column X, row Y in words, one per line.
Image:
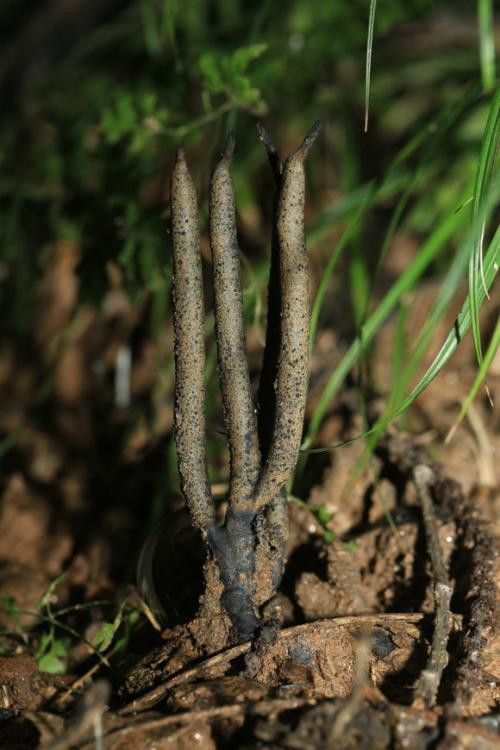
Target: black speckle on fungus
column 254, row 532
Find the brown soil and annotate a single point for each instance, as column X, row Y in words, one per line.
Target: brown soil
column 348, row 640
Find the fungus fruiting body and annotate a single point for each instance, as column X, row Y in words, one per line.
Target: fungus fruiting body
column 251, row 540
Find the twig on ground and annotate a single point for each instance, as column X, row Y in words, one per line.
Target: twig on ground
column 263, row 707
column 354, row 702
column 89, row 716
column 48, row 725
column 157, row 694
column 428, row 684
column 78, row 683
column 476, row 549
column 186, row 719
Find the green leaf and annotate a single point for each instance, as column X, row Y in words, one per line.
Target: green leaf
column 126, row 112
column 51, row 663
column 9, row 605
column 59, row 648
column 106, row 633
column 46, row 598
column 211, row 73
column 486, row 163
column 227, row 74
column 50, row 654
column 104, row 636
column 242, row 57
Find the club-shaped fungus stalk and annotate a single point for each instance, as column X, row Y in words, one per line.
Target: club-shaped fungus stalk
column 292, row 369
column 239, row 409
column 189, row 316
column 249, row 546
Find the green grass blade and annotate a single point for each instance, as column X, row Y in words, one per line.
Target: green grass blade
column 447, row 289
column 481, row 375
column 361, row 199
column 394, row 180
column 486, row 43
column 337, row 251
column 369, row 50
column 449, row 115
column 412, row 360
column 431, row 248
column 399, row 353
column 486, row 163
column 462, row 324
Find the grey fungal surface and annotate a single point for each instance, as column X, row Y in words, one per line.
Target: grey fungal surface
column 293, row 365
column 249, row 546
column 189, row 315
column 239, row 410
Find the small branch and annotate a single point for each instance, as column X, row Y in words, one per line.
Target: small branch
column 292, row 372
column 365, row 622
column 239, row 410
column 266, row 707
column 354, row 703
column 189, row 346
column 72, row 689
column 89, row 715
column 259, row 708
column 430, row 679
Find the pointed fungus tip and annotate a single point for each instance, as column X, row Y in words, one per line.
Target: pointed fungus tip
column 260, row 129
column 308, row 141
column 180, row 156
column 266, row 139
column 228, row 151
column 271, row 150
